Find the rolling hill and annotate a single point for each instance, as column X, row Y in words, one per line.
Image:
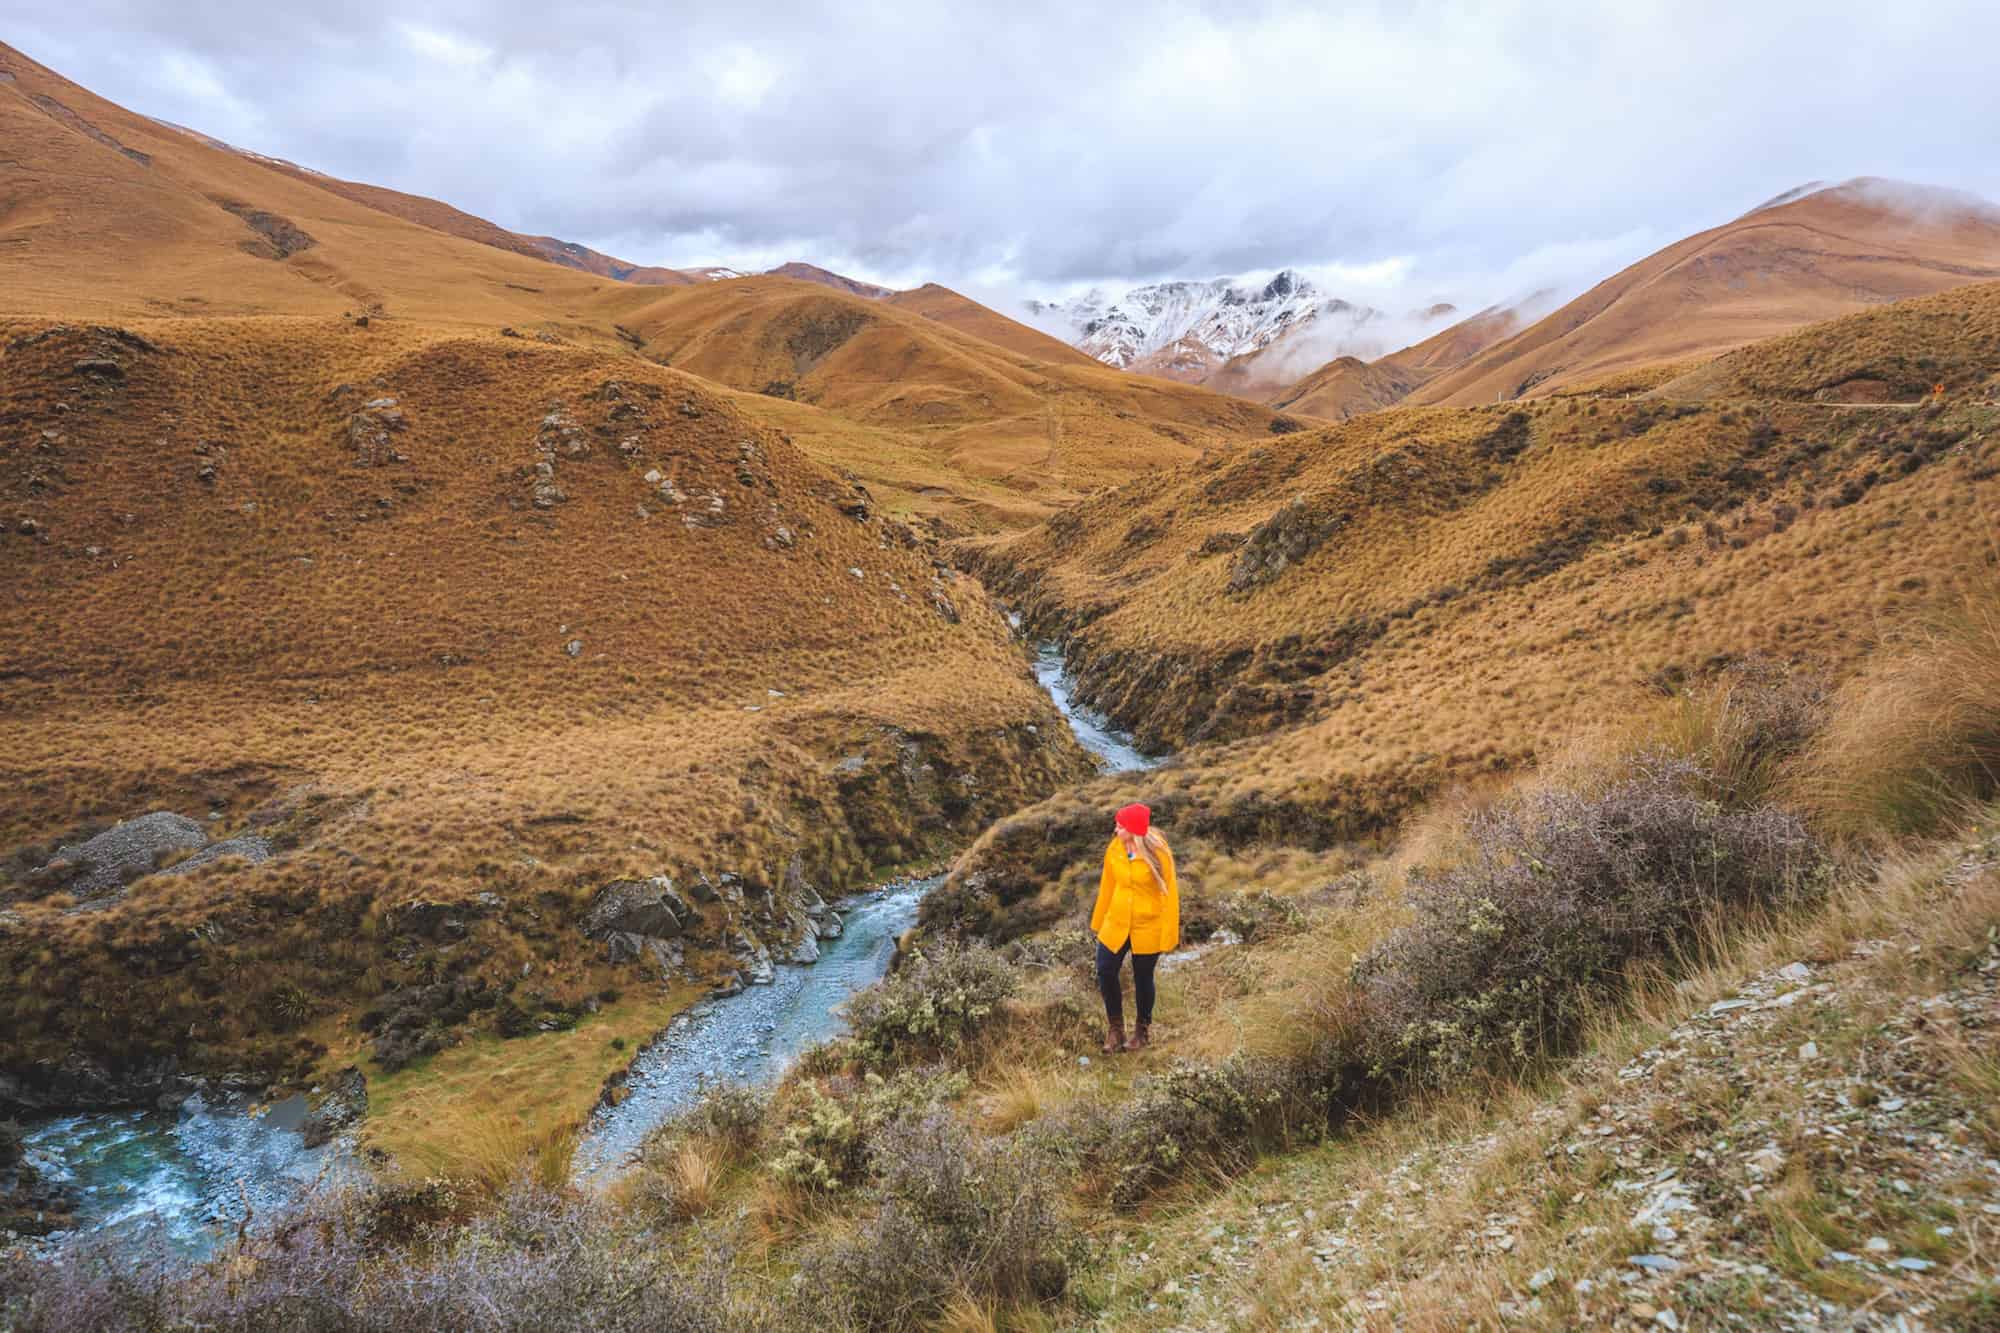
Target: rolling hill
column 378, row 557
column 943, row 422
column 1331, row 626
column 1347, row 386
column 1809, row 255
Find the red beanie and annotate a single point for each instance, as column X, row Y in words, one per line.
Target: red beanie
column 1135, row 820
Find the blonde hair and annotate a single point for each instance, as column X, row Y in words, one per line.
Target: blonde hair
column 1150, row 847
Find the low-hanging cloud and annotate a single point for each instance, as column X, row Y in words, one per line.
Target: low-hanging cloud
column 1474, row 148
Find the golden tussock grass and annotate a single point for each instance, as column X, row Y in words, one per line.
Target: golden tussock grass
column 487, row 1152
column 368, row 665
column 1696, row 298
column 1916, row 744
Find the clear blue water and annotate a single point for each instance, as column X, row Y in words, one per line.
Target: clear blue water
column 1113, row 748
column 185, row 1174
column 750, row 1037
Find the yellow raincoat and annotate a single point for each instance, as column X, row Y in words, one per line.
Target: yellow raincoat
column 1131, row 905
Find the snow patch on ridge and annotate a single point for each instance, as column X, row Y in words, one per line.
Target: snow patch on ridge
column 1199, row 321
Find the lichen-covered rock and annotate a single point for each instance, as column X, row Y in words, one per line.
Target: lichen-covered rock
column 122, row 853
column 1282, row 540
column 646, row 907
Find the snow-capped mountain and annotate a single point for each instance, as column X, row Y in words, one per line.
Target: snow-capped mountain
column 1186, row 329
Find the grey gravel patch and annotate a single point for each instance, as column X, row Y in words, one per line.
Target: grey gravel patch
column 122, row 853
column 250, row 847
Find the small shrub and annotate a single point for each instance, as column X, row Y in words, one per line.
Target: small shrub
column 931, row 1006
column 1555, row 894
column 1263, row 915
column 827, row 1146
column 1217, row 1117
column 959, row 1217
column 824, row 1148
column 730, row 1115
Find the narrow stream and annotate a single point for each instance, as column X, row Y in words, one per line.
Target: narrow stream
column 180, row 1172
column 1113, row 748
column 750, row 1037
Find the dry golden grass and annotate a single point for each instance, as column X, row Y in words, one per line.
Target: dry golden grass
column 1757, row 276
column 488, row 1152
column 1894, row 353
column 1916, row 743
column 368, row 664
column 1486, row 584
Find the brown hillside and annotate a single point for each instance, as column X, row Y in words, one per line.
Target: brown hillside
column 1792, row 263
column 1347, row 386
column 443, row 615
column 1337, row 622
column 934, row 416
column 1899, row 353
column 940, row 420
column 948, row 307
column 111, row 215
column 867, row 291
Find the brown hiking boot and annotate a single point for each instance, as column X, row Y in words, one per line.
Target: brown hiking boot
column 1114, row 1040
column 1142, row 1037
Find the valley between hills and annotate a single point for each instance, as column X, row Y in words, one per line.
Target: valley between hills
column 440, row 658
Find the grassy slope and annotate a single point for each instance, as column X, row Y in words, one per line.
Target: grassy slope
column 935, row 416
column 1485, row 581
column 371, row 659
column 1760, row 275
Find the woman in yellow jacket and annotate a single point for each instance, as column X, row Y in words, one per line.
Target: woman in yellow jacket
column 1138, row 912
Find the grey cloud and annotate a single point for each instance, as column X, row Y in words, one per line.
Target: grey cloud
column 1041, row 145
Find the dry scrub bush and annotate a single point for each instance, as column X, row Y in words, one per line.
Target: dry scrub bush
column 931, row 1006
column 1915, row 746
column 538, row 1260
column 828, row 1142
column 1216, row 1118
column 1559, row 893
column 960, row 1217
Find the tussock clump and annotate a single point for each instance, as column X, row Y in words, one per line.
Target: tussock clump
column 1556, row 894
column 960, row 1217
column 1745, row 730
column 933, row 1005
column 1208, row 1117
column 1917, row 745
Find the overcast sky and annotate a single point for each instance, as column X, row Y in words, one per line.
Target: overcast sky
column 1412, row 151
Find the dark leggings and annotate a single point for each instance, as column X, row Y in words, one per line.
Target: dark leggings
column 1108, row 966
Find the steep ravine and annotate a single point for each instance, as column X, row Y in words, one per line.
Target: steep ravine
column 189, row 1173
column 751, row 1036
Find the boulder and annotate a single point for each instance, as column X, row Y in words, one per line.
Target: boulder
column 647, row 907
column 753, row 958
column 345, row 1103
column 122, row 853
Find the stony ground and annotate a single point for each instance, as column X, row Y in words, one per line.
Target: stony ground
column 1806, row 1144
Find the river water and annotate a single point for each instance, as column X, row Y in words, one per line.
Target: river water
column 752, row 1036
column 180, row 1172
column 186, row 1174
